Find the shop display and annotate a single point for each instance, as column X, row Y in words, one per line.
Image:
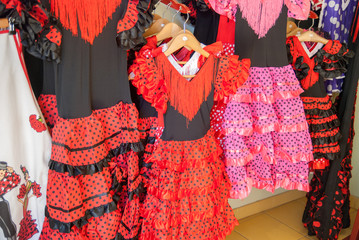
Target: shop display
column 154, row 128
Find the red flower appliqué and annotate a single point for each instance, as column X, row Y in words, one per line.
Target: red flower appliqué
column 37, row 123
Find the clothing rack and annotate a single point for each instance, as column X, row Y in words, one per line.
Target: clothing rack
column 4, row 23
column 176, row 5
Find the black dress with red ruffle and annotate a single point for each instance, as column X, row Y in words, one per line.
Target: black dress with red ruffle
column 329, row 62
column 94, row 181
column 188, row 187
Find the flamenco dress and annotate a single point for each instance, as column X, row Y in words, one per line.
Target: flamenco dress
column 262, row 128
column 328, row 62
column 188, row 188
column 25, row 140
column 94, row 181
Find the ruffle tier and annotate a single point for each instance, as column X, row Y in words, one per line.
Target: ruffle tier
column 149, row 133
column 137, row 19
column 187, row 192
column 39, row 33
column 262, row 127
column 94, row 174
column 324, row 130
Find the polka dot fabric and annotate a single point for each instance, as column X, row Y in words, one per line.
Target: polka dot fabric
column 187, row 187
column 187, row 192
column 94, row 178
column 48, row 106
column 324, row 130
column 264, row 133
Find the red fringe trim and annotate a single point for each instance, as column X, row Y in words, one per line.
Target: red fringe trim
column 187, row 96
column 88, row 16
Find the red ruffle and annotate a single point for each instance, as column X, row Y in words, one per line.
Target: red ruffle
column 104, row 227
column 232, row 73
column 188, row 187
column 130, row 18
column 148, row 82
column 84, row 141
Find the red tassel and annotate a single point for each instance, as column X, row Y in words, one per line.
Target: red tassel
column 187, row 96
column 91, row 16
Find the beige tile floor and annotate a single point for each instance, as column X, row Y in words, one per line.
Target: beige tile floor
column 280, row 223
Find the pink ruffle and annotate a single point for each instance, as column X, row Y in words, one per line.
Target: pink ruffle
column 243, row 98
column 274, row 127
column 262, row 185
column 288, row 94
column 240, row 131
column 289, row 185
column 239, row 161
column 293, row 128
column 261, row 97
column 299, row 157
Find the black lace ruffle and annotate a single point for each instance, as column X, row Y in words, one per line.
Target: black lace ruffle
column 330, row 65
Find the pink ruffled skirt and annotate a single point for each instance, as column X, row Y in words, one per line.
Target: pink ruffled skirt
column 264, row 133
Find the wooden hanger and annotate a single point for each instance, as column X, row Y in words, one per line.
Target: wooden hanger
column 156, row 27
column 293, row 29
column 185, row 39
column 168, row 31
column 296, row 32
column 291, row 26
column 4, row 23
column 310, row 36
column 156, row 17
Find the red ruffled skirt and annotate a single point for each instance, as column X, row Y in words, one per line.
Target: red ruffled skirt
column 94, row 179
column 187, row 192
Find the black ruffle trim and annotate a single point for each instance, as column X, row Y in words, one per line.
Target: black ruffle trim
column 33, row 35
column 300, row 68
column 325, row 114
column 74, row 171
column 328, row 125
column 326, row 140
column 337, row 64
column 94, row 212
column 132, row 38
column 328, row 156
column 90, row 169
column 126, row 147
